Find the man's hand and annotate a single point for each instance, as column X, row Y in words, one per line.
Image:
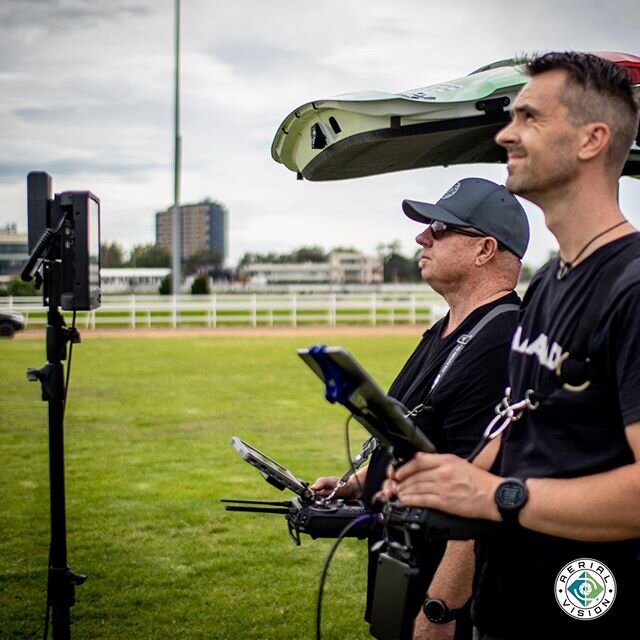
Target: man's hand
column 325, row 485
column 444, row 482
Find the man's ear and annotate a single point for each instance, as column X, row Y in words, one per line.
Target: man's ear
column 487, row 248
column 595, row 138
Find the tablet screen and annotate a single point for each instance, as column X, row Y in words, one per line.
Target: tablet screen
column 270, row 467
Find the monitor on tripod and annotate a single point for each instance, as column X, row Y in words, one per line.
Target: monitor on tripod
column 64, row 234
column 64, row 248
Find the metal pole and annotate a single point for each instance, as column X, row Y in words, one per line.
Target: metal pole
column 61, row 580
column 176, row 226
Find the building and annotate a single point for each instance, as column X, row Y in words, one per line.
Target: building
column 350, row 267
column 204, row 228
column 128, row 280
column 343, row 267
column 14, row 252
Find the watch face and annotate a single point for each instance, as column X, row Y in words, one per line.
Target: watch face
column 511, row 495
column 435, row 610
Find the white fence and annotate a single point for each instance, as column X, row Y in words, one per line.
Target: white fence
column 215, row 310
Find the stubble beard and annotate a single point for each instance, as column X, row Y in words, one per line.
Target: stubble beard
column 535, row 184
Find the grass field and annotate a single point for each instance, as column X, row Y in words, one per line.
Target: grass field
column 147, row 460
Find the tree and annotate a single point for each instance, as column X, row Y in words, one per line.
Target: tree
column 200, row 285
column 308, row 254
column 302, row 254
column 526, row 273
column 111, row 255
column 18, row 287
column 203, row 260
column 397, row 268
column 258, row 258
column 165, row 286
column 149, row 255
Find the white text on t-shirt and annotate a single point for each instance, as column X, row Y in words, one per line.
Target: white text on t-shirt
column 548, row 356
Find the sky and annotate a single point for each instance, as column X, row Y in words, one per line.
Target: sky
column 87, row 94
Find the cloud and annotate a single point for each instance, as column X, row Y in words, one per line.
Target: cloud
column 53, row 15
column 87, row 93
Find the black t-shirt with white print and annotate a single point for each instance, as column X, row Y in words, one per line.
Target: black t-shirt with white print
column 571, row 434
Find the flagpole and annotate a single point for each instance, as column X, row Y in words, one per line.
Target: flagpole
column 176, row 226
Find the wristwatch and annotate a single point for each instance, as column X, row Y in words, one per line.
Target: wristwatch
column 437, row 611
column 511, row 496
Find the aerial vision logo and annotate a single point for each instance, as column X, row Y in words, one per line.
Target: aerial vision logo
column 585, row 589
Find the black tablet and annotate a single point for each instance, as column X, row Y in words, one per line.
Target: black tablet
column 347, row 383
column 273, row 472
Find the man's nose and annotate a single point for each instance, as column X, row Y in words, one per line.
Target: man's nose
column 425, row 238
column 506, row 135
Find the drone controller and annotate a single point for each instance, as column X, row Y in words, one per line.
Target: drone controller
column 430, row 524
column 328, row 518
column 316, row 517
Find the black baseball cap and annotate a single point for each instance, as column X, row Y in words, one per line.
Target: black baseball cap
column 481, row 204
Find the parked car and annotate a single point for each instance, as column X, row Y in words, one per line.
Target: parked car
column 10, row 322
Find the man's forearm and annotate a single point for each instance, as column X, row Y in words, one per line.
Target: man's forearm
column 451, row 584
column 453, row 578
column 598, row 508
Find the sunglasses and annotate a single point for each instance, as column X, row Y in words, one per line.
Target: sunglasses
column 438, row 229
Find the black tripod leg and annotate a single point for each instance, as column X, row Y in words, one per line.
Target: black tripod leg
column 61, row 580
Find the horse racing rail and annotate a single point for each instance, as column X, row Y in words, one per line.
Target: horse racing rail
column 254, row 310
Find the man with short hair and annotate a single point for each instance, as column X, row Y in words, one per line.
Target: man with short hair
column 567, row 477
column 472, row 246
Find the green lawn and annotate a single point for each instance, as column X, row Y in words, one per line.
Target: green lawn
column 148, row 458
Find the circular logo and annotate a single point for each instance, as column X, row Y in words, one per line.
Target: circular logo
column 585, row 589
column 452, row 192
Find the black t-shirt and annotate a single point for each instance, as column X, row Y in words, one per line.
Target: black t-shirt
column 460, row 407
column 571, row 434
column 463, row 403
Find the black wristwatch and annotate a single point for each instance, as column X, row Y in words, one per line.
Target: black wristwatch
column 511, row 496
column 437, row 611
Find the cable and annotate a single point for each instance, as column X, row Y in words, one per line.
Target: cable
column 66, row 383
column 346, row 436
column 352, row 465
column 325, row 569
column 38, row 255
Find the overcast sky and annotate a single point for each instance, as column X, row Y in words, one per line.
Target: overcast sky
column 86, row 92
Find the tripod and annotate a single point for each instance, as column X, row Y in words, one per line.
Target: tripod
column 61, row 580
column 64, row 241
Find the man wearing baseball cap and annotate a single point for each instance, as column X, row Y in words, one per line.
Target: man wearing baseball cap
column 472, row 245
column 489, row 209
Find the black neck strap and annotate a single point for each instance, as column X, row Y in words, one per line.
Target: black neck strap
column 461, row 343
column 466, row 338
